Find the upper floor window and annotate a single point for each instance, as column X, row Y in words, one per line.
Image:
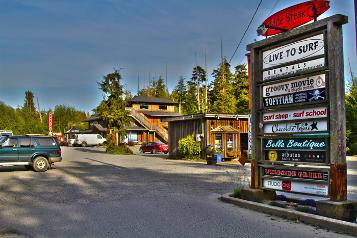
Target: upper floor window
column 144, row 106
column 163, row 107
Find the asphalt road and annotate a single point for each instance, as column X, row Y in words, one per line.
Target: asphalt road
column 92, row 194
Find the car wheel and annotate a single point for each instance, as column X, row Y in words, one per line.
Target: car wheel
column 40, row 164
column 166, row 153
column 84, row 144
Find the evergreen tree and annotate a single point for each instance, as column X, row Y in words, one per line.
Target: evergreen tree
column 240, row 85
column 29, row 105
column 351, row 118
column 198, row 77
column 190, row 104
column 222, row 99
column 160, row 88
column 179, row 92
column 112, row 108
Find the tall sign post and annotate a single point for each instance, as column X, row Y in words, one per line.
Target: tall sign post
column 298, row 114
column 50, row 123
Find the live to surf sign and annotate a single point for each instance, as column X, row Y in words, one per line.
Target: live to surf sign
column 303, row 49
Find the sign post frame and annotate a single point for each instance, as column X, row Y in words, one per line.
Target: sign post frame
column 335, row 87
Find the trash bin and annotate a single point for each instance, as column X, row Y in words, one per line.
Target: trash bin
column 217, row 158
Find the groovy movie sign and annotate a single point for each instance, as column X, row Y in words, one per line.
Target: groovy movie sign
column 292, row 127
column 294, row 86
column 296, row 156
column 298, row 114
column 290, row 70
column 302, row 49
column 296, row 186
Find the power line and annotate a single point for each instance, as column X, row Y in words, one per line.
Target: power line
column 245, row 32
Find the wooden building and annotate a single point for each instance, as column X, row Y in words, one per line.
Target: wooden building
column 148, row 114
column 226, row 132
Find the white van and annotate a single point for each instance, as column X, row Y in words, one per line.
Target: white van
column 88, row 139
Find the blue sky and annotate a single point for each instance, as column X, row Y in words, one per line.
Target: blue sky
column 60, row 49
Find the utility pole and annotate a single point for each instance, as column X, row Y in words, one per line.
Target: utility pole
column 138, row 85
column 206, row 76
column 39, row 110
column 167, row 89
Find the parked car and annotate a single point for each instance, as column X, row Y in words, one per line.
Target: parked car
column 154, row 147
column 88, row 139
column 37, row 152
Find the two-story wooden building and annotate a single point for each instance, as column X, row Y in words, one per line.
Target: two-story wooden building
column 147, row 124
column 148, row 114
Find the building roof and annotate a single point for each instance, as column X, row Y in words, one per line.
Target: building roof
column 207, row 116
column 161, row 114
column 93, row 118
column 146, row 99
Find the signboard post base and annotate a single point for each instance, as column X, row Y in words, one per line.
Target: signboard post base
column 257, row 195
column 345, row 210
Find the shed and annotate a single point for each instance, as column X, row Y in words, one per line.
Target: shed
column 227, row 132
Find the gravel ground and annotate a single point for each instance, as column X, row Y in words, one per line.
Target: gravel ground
column 92, row 194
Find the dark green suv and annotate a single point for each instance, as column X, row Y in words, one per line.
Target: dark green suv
column 38, row 152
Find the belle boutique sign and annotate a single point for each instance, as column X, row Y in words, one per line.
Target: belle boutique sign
column 292, row 127
column 299, row 144
column 296, row 156
column 294, row 86
column 303, row 49
column 299, row 114
column 296, row 186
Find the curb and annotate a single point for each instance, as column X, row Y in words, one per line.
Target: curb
column 315, row 220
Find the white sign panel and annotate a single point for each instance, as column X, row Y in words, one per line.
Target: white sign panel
column 290, row 70
column 291, row 127
column 296, row 186
column 298, row 114
column 295, row 86
column 306, row 48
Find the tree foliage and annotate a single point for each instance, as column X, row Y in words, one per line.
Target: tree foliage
column 112, row 107
column 222, row 98
column 240, row 86
column 188, row 146
column 351, row 118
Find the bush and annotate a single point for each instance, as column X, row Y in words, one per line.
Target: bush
column 189, row 147
column 131, row 143
column 121, row 149
column 236, row 192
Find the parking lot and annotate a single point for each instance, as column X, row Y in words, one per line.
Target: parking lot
column 93, row 194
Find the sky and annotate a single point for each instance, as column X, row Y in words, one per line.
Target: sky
column 60, row 49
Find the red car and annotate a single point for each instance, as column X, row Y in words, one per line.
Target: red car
column 154, row 147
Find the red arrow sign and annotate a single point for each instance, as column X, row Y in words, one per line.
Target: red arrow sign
column 293, row 16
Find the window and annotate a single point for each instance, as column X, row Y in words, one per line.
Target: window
column 25, row 142
column 10, row 142
column 144, row 106
column 163, row 107
column 218, row 141
column 99, row 137
column 230, row 142
column 45, row 141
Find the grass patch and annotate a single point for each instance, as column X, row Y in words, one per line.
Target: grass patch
column 236, row 192
column 121, row 149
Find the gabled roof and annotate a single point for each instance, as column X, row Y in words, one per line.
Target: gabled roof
column 146, row 99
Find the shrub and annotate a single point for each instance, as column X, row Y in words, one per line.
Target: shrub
column 63, row 143
column 121, row 149
column 131, row 143
column 236, row 192
column 188, row 146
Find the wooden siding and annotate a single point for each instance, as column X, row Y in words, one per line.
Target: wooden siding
column 180, row 129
